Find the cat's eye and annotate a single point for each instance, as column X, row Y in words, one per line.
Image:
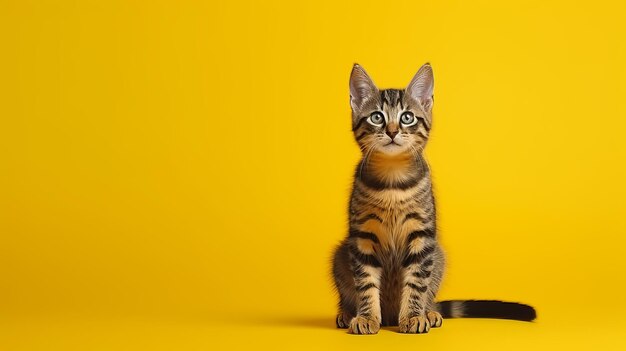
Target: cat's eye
column 408, row 119
column 376, row 119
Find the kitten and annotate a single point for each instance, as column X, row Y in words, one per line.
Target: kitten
column 388, row 269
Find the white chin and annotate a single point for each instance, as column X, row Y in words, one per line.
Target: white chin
column 392, row 149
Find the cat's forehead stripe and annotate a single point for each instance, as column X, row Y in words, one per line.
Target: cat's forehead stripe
column 391, row 103
column 391, row 97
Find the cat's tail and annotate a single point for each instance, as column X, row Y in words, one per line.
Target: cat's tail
column 486, row 309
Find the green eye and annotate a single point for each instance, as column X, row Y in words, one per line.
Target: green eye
column 376, row 118
column 407, row 118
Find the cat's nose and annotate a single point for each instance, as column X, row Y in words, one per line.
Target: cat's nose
column 392, row 133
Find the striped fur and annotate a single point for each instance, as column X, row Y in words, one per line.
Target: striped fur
column 388, row 269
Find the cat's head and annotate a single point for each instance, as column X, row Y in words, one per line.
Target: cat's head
column 391, row 121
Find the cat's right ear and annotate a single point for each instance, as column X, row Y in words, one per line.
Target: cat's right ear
column 362, row 88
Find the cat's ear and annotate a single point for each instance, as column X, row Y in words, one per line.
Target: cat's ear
column 421, row 87
column 362, row 88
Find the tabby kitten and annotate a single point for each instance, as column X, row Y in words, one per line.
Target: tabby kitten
column 388, row 269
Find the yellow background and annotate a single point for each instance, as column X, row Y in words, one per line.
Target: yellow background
column 174, row 175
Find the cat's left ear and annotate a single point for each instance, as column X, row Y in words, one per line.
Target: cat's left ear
column 421, row 88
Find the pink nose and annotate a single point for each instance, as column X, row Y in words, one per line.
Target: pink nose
column 392, row 134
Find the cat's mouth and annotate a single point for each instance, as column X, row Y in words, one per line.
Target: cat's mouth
column 392, row 147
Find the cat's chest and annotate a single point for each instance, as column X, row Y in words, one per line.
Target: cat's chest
column 397, row 222
column 391, row 218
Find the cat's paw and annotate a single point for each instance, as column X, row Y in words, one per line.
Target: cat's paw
column 414, row 325
column 363, row 325
column 434, row 318
column 343, row 320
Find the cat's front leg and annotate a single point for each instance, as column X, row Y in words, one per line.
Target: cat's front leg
column 416, row 313
column 367, row 273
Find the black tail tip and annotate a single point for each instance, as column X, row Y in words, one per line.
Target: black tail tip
column 523, row 312
column 530, row 314
column 500, row 309
column 487, row 309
